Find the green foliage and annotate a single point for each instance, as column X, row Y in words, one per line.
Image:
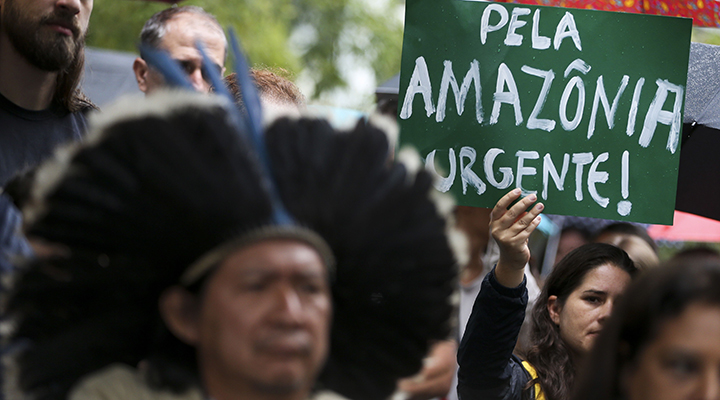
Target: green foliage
column 327, row 29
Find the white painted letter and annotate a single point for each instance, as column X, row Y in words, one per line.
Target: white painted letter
column 549, row 169
column 533, row 121
column 567, row 28
column 466, row 172
column 485, row 26
column 442, row 184
column 595, row 176
column 522, row 170
column 634, row 106
column 419, row 83
column 575, row 82
column 505, row 77
column 538, row 42
column 448, row 80
column 624, row 206
column 512, row 38
column 488, row 161
column 601, row 96
column 576, row 65
column 580, row 159
column 656, row 114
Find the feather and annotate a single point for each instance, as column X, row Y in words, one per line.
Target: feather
column 169, row 68
column 253, row 121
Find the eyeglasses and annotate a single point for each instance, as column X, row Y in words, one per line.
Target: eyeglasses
column 189, row 66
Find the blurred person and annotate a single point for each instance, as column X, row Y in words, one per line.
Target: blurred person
column 278, row 95
column 611, row 232
column 695, row 254
column 192, row 274
column 639, row 251
column 177, row 30
column 42, row 55
column 662, row 341
column 573, row 306
column 436, row 376
column 634, row 239
column 570, row 239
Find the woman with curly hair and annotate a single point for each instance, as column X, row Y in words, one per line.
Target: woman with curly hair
column 572, row 308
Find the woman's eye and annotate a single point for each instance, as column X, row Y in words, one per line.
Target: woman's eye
column 682, row 367
column 253, row 286
column 311, row 288
column 593, row 299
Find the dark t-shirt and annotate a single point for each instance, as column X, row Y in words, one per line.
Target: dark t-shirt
column 29, row 137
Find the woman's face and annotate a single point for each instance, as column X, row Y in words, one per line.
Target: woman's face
column 683, row 362
column 586, row 309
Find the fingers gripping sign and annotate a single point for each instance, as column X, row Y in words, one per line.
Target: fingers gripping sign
column 511, row 227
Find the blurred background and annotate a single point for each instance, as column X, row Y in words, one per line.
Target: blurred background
column 337, row 51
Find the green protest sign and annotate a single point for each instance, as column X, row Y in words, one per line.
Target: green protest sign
column 582, row 107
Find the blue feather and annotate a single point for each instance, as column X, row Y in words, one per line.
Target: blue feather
column 212, row 74
column 248, row 91
column 169, row 68
column 219, row 86
column 253, row 123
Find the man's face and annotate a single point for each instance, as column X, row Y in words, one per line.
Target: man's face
column 264, row 319
column 48, row 33
column 183, row 31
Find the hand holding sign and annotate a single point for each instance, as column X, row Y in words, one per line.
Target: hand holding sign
column 511, row 227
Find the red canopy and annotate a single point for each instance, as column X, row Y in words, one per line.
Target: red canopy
column 703, row 12
column 687, row 228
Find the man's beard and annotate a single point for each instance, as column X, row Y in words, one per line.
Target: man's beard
column 47, row 50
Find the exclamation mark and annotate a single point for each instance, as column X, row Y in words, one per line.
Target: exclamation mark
column 624, row 207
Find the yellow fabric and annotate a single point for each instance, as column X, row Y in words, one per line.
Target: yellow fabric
column 539, row 395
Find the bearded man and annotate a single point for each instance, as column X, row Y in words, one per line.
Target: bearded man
column 41, row 60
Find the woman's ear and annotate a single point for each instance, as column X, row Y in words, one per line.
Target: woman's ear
column 180, row 311
column 554, row 308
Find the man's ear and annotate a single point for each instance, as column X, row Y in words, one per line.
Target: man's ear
column 141, row 71
column 554, row 308
column 180, row 311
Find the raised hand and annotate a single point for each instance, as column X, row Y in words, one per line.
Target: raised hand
column 511, row 228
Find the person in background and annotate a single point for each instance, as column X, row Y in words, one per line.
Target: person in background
column 574, row 304
column 662, row 341
column 42, row 44
column 616, row 230
column 177, row 30
column 696, row 253
column 634, row 239
column 278, row 95
column 570, row 239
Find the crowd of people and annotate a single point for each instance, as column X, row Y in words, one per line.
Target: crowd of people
column 187, row 246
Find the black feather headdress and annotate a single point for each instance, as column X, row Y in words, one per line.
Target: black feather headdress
column 164, row 182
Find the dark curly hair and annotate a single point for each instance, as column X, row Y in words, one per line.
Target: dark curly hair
column 548, row 353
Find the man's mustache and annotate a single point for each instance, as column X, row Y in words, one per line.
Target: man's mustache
column 65, row 20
